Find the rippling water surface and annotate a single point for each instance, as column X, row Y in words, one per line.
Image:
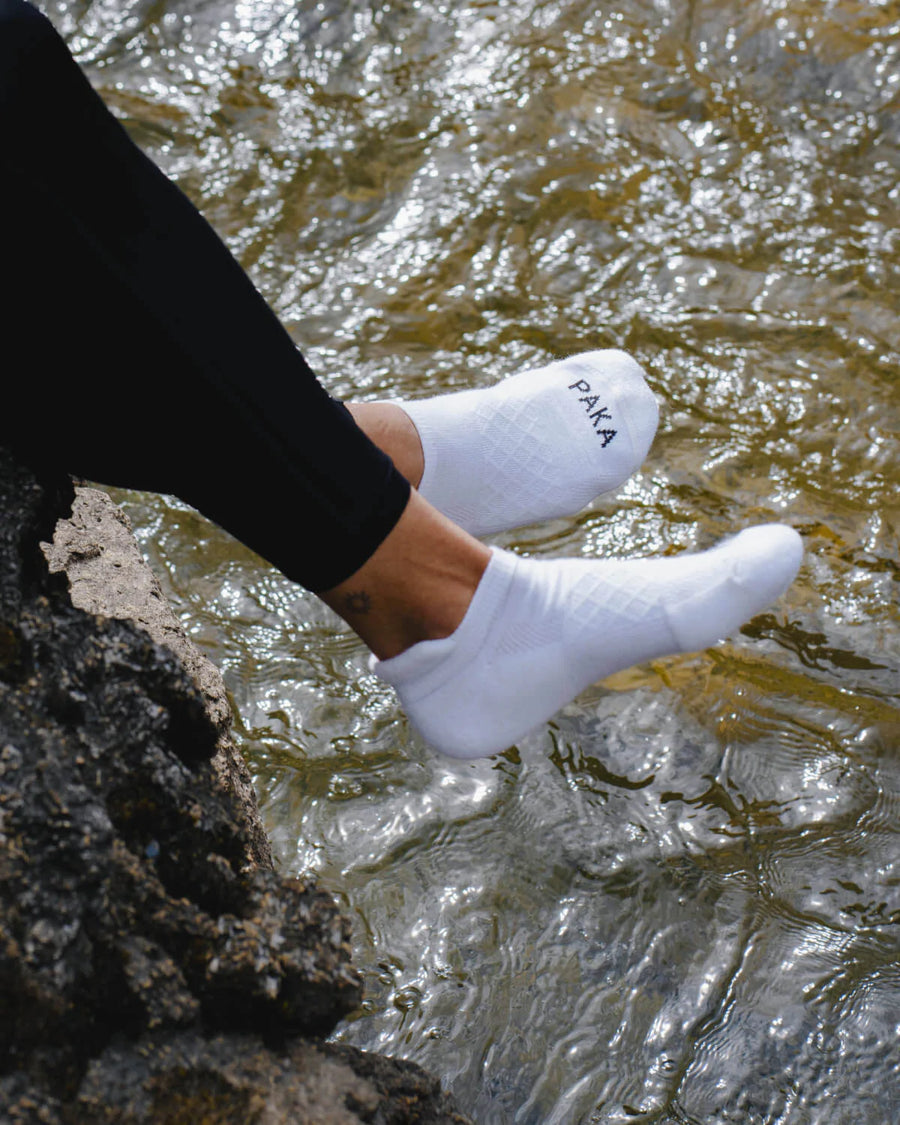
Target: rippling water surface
column 679, row 902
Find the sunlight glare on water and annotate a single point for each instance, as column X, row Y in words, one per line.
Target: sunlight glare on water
column 679, row 901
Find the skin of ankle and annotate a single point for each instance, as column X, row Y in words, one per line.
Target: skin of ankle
column 392, row 430
column 417, row 585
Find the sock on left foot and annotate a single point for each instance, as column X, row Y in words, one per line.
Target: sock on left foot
column 540, row 444
column 538, row 632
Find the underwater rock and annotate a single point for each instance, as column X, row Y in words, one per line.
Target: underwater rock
column 139, row 920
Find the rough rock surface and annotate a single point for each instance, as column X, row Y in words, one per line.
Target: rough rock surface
column 107, row 574
column 148, row 972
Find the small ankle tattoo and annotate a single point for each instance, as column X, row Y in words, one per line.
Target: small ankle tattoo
column 357, row 602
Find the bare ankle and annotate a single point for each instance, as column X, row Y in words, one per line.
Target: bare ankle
column 417, row 585
column 392, row 430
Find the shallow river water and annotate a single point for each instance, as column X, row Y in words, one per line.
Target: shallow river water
column 679, row 901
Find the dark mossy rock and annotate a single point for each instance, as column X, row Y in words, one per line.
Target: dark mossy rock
column 149, row 970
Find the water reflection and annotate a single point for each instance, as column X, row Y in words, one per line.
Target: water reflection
column 679, row 901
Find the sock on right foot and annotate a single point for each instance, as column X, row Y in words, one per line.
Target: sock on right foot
column 540, row 444
column 538, row 632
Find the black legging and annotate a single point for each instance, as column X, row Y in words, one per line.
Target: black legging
column 139, row 350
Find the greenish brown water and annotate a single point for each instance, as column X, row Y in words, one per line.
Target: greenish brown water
column 679, row 902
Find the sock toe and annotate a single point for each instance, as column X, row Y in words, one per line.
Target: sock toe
column 634, row 404
column 747, row 573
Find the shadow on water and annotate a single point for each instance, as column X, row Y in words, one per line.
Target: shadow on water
column 680, row 901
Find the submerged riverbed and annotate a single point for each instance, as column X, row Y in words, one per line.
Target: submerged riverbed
column 679, row 901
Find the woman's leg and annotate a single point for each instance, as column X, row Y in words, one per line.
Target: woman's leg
column 152, row 362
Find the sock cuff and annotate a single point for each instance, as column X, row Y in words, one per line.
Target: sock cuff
column 428, row 665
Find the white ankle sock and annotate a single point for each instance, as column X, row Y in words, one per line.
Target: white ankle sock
column 537, row 445
column 537, row 632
